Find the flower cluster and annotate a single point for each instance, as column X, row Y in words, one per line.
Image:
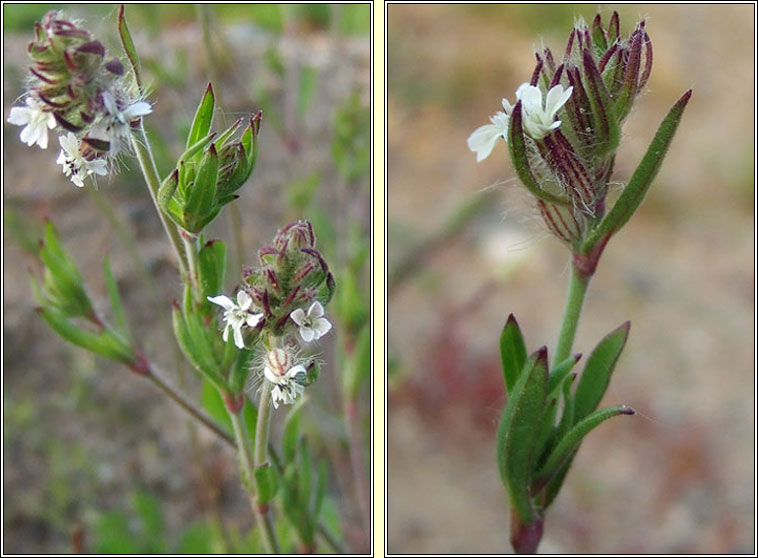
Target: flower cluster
column 563, row 148
column 281, row 304
column 73, row 88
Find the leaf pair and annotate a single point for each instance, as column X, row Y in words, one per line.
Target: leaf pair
column 533, row 452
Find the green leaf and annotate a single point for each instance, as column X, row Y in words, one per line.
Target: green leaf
column 520, row 159
column 597, row 372
column 148, row 508
column 570, row 442
column 266, row 482
column 291, row 432
column 512, row 352
column 166, row 191
column 213, row 403
column 212, row 267
column 518, row 431
column 240, row 371
column 560, row 371
column 201, row 124
column 632, row 196
column 196, row 353
column 115, row 298
column 128, row 44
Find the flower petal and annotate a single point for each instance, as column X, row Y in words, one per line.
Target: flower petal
column 297, row 316
column 20, row 116
column 253, row 319
column 238, row 337
column 222, row 300
column 294, row 371
column 243, row 300
column 316, row 310
column 556, row 98
column 270, row 376
column 482, row 141
column 322, row 327
column 307, row 334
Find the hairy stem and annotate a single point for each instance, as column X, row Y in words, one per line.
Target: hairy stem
column 262, row 516
column 578, row 283
column 152, row 179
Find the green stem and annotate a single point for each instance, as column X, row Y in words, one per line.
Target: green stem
column 191, row 250
column 574, row 299
column 152, row 179
column 262, row 516
column 261, row 454
column 190, row 407
column 330, row 539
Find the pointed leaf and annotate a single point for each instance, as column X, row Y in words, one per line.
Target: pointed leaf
column 560, row 371
column 291, row 432
column 212, row 267
column 570, row 442
column 266, row 482
column 128, row 44
column 597, row 372
column 115, row 298
column 512, row 352
column 632, row 196
column 518, row 431
column 201, row 124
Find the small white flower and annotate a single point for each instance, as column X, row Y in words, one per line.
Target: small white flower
column 117, row 123
column 312, row 325
column 35, row 120
column 237, row 315
column 539, row 119
column 282, row 371
column 482, row 141
column 76, row 167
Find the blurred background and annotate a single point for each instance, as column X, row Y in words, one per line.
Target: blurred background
column 94, row 458
column 466, row 248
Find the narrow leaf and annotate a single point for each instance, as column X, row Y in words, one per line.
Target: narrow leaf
column 512, row 352
column 518, row 432
column 266, row 483
column 118, row 309
column 128, row 44
column 597, row 372
column 560, row 371
column 570, row 442
column 201, row 124
column 632, row 196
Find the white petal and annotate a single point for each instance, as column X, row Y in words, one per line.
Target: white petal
column 316, row 310
column 307, row 334
column 225, row 335
column 270, row 376
column 222, row 300
column 482, row 141
column 20, row 116
column 243, row 300
column 70, row 145
column 297, row 316
column 322, row 326
column 531, row 98
column 238, row 337
column 556, row 98
column 253, row 319
column 76, row 179
column 136, row 110
column 98, row 166
column 507, row 106
column 110, row 103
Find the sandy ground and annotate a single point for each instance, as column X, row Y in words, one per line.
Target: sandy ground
column 679, row 476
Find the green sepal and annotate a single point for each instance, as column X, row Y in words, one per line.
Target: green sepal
column 569, row 443
column 597, row 372
column 520, row 159
column 630, row 84
column 266, row 483
column 202, row 195
column 512, row 352
column 606, row 126
column 118, row 308
column 166, row 192
column 128, row 44
column 518, row 432
column 201, row 124
column 104, row 343
column 599, row 39
column 631, row 197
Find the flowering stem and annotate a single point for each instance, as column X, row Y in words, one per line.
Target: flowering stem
column 188, row 406
column 153, row 181
column 191, row 251
column 261, row 456
column 578, row 283
column 246, row 464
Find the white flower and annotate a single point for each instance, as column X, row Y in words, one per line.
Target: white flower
column 312, row 325
column 35, row 120
column 482, row 141
column 76, row 167
column 117, row 123
column 539, row 119
column 237, row 315
column 281, row 370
